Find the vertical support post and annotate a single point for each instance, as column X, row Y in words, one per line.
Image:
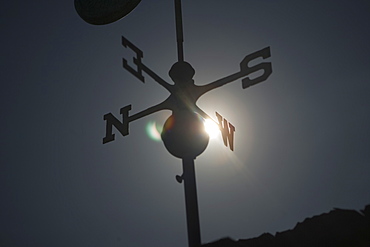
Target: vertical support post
column 190, row 187
column 179, row 32
column 191, row 202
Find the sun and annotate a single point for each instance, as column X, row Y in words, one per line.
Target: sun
column 212, row 128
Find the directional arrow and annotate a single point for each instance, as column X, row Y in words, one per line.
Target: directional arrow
column 184, row 93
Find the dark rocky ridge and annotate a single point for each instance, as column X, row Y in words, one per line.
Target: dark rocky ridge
column 338, row 228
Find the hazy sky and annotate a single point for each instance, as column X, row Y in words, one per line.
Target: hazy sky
column 302, row 140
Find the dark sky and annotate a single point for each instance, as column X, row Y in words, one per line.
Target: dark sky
column 302, row 142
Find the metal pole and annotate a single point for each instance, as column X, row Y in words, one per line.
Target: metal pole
column 190, row 187
column 179, row 32
column 191, row 202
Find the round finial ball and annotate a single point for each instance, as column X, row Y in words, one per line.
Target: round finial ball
column 181, row 72
column 184, row 135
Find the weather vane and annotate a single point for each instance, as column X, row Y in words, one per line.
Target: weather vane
column 183, row 132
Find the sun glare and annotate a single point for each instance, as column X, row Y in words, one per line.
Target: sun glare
column 153, row 131
column 211, row 128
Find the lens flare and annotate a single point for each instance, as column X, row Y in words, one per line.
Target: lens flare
column 153, row 131
column 211, row 128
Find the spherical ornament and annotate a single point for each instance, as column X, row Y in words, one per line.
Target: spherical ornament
column 184, row 135
column 181, row 72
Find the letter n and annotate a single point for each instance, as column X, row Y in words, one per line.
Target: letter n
column 227, row 131
column 111, row 121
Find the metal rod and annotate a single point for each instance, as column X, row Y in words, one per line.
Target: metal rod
column 179, row 31
column 191, row 202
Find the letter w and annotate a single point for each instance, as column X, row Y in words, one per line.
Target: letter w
column 227, row 131
column 113, row 121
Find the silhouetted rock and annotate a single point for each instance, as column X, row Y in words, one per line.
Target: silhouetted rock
column 366, row 212
column 338, row 228
column 265, row 240
column 224, row 242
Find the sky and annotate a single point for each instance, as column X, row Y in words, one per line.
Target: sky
column 302, row 137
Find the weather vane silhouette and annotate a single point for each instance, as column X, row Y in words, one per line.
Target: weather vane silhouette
column 183, row 133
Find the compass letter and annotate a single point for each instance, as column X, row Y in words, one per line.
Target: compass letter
column 137, row 60
column 111, row 121
column 266, row 67
column 227, row 131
